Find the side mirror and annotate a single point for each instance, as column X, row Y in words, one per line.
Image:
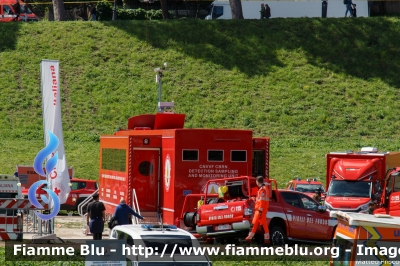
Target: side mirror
column 321, row 208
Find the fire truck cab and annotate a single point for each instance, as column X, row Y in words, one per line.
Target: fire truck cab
column 9, row 14
column 156, row 162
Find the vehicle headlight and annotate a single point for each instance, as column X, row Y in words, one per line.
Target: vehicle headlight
column 328, row 206
column 364, row 206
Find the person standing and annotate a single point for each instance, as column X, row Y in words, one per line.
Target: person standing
column 267, row 11
column 17, row 10
column 349, row 9
column 122, row 212
column 93, row 13
column 96, row 217
column 261, row 209
column 262, row 11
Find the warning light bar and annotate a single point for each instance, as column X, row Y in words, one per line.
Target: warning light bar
column 158, row 226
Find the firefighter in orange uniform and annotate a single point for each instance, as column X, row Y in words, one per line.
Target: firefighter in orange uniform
column 261, row 210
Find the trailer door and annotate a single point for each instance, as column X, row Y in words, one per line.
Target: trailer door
column 145, row 170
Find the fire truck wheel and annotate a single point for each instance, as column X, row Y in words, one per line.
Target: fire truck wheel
column 278, row 236
column 189, row 219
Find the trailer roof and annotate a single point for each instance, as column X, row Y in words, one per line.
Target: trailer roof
column 362, row 219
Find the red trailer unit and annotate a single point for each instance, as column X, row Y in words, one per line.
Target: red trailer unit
column 163, row 162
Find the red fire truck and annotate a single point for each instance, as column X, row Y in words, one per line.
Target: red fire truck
column 158, row 162
column 292, row 216
column 9, row 14
column 354, row 178
column 389, row 201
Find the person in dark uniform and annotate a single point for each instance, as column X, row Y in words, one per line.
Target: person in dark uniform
column 17, row 10
column 96, row 217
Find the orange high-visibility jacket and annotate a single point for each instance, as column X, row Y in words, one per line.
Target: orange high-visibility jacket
column 263, row 198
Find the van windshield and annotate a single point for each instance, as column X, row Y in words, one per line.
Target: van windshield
column 309, row 188
column 25, row 10
column 341, row 257
column 340, row 188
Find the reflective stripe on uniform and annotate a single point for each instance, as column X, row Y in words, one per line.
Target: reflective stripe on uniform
column 260, row 209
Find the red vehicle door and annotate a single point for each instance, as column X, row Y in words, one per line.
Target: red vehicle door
column 319, row 225
column 145, row 170
column 295, row 213
column 6, row 13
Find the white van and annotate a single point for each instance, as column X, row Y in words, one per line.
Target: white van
column 220, row 9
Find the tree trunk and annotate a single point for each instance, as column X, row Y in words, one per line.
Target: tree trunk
column 236, row 9
column 164, row 9
column 59, row 10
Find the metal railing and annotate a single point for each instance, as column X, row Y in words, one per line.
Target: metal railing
column 135, row 207
column 85, row 203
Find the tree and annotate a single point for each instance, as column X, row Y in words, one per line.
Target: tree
column 236, row 9
column 164, row 8
column 59, row 10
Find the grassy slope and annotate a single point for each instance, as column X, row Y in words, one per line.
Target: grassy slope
column 312, row 85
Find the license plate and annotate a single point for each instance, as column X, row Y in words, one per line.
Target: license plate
column 223, row 227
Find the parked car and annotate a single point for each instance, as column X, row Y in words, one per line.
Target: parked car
column 164, row 239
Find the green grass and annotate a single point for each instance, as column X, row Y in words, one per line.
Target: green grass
column 312, row 85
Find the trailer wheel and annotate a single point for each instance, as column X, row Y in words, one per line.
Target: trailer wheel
column 278, row 236
column 189, row 219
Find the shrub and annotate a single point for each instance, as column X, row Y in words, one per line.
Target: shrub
column 104, row 10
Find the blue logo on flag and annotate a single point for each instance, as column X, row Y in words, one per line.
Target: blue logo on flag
column 38, row 167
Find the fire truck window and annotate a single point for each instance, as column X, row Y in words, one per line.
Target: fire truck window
column 215, row 156
column 8, row 195
column 397, row 184
column 74, row 186
column 291, row 199
column 145, row 168
column 238, row 156
column 113, row 159
column 7, row 10
column 258, row 163
column 190, row 155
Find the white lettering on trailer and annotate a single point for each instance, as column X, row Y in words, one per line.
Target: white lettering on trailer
column 120, row 178
column 213, row 171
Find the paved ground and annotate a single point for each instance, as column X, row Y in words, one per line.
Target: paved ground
column 68, row 227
